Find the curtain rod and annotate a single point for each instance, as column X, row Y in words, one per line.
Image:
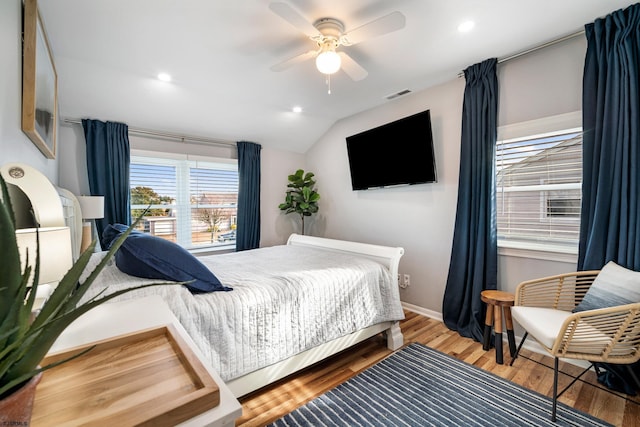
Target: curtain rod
column 181, row 138
column 535, row 48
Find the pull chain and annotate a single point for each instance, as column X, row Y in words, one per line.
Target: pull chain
column 328, row 81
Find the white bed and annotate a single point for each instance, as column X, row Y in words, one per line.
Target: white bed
column 292, row 305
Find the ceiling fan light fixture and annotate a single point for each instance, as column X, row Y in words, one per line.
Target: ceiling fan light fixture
column 328, row 61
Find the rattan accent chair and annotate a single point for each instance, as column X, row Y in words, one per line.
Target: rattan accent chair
column 543, row 307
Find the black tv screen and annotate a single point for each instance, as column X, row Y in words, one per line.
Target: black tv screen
column 396, row 153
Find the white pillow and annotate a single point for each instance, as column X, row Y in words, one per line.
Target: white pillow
column 613, row 286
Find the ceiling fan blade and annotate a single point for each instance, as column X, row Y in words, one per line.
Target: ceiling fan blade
column 352, row 68
column 295, row 60
column 383, row 25
column 293, row 17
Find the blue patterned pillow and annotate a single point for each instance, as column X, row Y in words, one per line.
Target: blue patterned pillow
column 614, row 285
column 144, row 255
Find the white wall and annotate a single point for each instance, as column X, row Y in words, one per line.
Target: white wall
column 543, row 83
column 15, row 146
column 73, row 160
column 275, row 226
column 421, row 218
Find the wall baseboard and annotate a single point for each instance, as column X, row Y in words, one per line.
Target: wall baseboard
column 423, row 311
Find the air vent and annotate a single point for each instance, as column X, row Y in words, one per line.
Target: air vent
column 397, row 94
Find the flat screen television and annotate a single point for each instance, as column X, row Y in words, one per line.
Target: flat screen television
column 396, row 153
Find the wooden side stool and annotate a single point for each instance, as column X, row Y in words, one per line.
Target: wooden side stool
column 498, row 302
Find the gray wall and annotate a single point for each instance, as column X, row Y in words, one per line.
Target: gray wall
column 15, row 146
column 421, row 218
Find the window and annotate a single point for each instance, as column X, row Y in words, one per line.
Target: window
column 538, row 191
column 192, row 202
column 563, row 207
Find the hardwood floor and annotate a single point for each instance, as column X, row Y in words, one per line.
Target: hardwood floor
column 531, row 370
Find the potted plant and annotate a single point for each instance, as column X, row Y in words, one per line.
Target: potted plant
column 25, row 340
column 301, row 196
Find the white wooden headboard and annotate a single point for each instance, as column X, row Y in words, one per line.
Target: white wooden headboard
column 386, row 255
column 72, row 218
column 49, row 205
column 42, row 195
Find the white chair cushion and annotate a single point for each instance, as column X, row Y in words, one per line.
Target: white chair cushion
column 543, row 324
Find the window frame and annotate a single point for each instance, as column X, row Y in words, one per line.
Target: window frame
column 547, row 126
column 183, row 205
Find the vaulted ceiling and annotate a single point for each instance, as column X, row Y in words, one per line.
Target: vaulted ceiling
column 220, row 54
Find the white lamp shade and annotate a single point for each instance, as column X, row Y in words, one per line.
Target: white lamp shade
column 92, row 206
column 55, row 251
column 328, row 62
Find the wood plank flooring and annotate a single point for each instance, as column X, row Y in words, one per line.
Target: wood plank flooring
column 531, row 370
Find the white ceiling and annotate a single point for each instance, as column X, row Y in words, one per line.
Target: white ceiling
column 219, row 53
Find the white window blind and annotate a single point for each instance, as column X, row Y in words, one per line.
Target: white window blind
column 538, row 190
column 191, row 202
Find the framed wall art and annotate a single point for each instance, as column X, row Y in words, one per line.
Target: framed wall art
column 39, row 83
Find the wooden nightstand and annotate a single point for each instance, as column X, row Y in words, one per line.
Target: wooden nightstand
column 115, row 319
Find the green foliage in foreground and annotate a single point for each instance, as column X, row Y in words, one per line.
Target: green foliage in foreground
column 24, row 341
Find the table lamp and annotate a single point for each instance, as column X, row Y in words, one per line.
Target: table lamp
column 55, row 256
column 92, row 208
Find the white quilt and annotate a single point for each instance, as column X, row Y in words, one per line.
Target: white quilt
column 285, row 299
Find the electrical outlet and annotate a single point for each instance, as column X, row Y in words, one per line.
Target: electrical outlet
column 401, row 282
column 406, row 280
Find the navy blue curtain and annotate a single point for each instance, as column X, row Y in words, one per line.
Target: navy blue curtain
column 248, row 231
column 473, row 267
column 610, row 222
column 108, row 159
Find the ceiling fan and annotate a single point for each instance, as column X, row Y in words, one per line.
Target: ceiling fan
column 329, row 34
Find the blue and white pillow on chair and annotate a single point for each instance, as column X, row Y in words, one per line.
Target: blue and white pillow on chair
column 613, row 286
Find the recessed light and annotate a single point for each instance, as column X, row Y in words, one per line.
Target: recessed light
column 164, row 77
column 297, row 109
column 466, row 26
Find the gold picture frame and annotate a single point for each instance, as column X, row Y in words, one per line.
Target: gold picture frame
column 39, row 83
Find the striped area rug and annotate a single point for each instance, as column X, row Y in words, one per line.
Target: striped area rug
column 420, row 386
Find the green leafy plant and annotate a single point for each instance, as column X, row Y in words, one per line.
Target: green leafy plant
column 24, row 340
column 301, row 196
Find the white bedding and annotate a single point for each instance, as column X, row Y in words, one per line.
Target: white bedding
column 286, row 299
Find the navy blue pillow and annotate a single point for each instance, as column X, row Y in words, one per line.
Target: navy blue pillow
column 144, row 255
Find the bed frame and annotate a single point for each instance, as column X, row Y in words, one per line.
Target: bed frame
column 385, row 255
column 60, row 207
